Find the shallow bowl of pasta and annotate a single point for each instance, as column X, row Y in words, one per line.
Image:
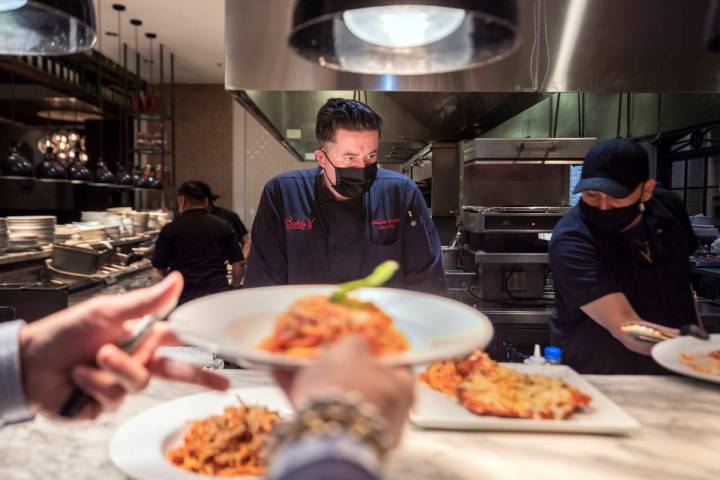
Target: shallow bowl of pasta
column 202, row 436
column 287, row 326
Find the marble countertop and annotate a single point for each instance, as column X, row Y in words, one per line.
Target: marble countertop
column 679, row 439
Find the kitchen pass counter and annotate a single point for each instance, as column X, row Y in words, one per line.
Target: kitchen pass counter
column 679, row 439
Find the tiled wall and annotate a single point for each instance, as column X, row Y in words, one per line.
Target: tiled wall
column 220, row 143
column 257, row 157
column 204, row 116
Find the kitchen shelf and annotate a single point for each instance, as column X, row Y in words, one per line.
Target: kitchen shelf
column 151, row 151
column 152, row 117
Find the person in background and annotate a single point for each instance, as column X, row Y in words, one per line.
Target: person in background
column 338, row 222
column 619, row 257
column 41, row 362
column 198, row 245
column 229, row 216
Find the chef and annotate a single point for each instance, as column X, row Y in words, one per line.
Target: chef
column 619, row 257
column 199, row 245
column 337, row 222
column 229, row 216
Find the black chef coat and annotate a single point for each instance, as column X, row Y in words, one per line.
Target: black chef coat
column 587, row 264
column 197, row 244
column 232, row 218
column 302, row 235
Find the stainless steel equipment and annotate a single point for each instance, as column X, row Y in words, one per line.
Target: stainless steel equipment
column 650, row 47
column 511, row 219
column 436, row 170
column 507, row 246
column 514, row 193
column 84, row 260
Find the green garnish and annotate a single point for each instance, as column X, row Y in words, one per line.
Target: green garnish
column 378, row 277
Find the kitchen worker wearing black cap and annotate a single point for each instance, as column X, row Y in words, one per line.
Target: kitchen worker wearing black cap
column 198, row 245
column 229, row 216
column 337, row 222
column 620, row 256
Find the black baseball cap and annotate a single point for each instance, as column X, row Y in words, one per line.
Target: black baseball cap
column 205, row 188
column 615, row 167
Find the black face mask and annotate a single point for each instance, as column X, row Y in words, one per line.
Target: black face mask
column 611, row 221
column 353, row 182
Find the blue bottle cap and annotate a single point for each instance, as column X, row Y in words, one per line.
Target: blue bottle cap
column 552, row 354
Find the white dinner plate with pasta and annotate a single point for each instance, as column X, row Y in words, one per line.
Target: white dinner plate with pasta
column 286, row 326
column 178, row 439
column 691, row 357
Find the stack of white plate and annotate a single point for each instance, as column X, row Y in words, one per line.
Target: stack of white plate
column 159, row 219
column 63, row 233
column 90, row 234
column 41, row 227
column 3, row 235
column 92, row 216
column 22, row 242
column 120, row 210
column 140, row 221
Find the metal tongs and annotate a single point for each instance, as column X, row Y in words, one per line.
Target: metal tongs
column 643, row 333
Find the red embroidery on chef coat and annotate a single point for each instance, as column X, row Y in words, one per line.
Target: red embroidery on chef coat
column 299, row 223
column 390, row 223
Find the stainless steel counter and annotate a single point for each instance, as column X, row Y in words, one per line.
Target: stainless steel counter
column 17, row 257
column 143, row 277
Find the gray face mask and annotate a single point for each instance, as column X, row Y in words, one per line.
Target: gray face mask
column 353, row 182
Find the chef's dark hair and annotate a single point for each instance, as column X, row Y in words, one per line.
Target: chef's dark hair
column 193, row 192
column 346, row 114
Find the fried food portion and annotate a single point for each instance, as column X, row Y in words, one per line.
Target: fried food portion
column 486, row 388
column 708, row 363
column 315, row 322
column 225, row 445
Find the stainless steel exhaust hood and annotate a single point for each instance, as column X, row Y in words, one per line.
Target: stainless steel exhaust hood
column 566, row 45
column 412, row 119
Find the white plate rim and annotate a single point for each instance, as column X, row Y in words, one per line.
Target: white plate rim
column 258, row 357
column 136, row 445
column 624, row 424
column 666, row 354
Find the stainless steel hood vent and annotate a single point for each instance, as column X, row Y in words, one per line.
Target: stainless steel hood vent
column 411, row 119
column 566, row 45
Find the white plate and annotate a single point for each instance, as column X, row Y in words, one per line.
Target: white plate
column 232, row 324
column 667, row 354
column 434, row 409
column 139, row 446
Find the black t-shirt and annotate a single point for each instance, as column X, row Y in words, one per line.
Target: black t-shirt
column 197, row 245
column 232, row 218
column 648, row 263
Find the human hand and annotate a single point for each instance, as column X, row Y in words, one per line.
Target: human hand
column 389, row 390
column 78, row 346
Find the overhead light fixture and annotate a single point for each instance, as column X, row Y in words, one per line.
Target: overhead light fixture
column 403, row 26
column 404, row 37
column 47, row 27
column 8, row 5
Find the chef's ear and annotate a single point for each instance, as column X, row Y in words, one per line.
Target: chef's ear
column 321, row 158
column 648, row 190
